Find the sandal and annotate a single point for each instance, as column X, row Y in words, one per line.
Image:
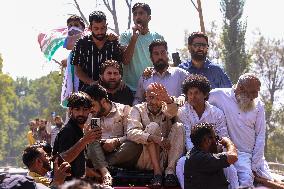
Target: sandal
column 107, row 180
column 170, row 180
column 156, row 182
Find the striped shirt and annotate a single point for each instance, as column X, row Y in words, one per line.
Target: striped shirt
column 87, row 55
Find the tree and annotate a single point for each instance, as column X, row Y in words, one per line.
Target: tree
column 269, row 65
column 235, row 57
column 111, row 7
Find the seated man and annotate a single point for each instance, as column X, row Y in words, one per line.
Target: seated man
column 71, row 141
column 153, row 124
column 197, row 110
column 203, row 165
column 113, row 149
column 245, row 117
column 38, row 163
column 110, row 78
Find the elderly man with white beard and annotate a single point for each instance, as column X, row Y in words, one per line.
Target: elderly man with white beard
column 245, row 117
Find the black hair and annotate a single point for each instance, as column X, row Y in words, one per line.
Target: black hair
column 144, row 6
column 194, row 35
column 96, row 92
column 30, row 154
column 76, row 18
column 111, row 63
column 199, row 131
column 198, row 81
column 157, row 42
column 97, row 16
column 79, row 99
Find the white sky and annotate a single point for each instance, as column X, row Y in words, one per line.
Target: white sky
column 21, row 21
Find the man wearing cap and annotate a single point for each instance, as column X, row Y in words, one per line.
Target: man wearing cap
column 71, row 141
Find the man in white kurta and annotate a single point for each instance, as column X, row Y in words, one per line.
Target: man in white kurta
column 245, row 117
column 198, row 110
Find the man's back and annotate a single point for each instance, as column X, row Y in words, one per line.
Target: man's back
column 205, row 170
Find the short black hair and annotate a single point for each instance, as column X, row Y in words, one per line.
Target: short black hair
column 76, row 18
column 79, row 99
column 97, row 16
column 198, row 81
column 111, row 63
column 199, row 131
column 157, row 42
column 30, row 153
column 144, row 6
column 194, row 35
column 96, row 92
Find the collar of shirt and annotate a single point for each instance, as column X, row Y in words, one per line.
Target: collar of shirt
column 112, row 110
column 205, row 65
column 38, row 178
column 204, row 114
column 168, row 71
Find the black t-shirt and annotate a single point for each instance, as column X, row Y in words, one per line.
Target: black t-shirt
column 67, row 137
column 124, row 96
column 205, row 170
column 89, row 57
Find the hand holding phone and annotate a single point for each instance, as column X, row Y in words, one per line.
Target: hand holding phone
column 95, row 122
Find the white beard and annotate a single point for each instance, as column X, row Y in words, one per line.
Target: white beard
column 245, row 104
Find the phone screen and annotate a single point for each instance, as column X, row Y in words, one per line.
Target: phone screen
column 95, row 122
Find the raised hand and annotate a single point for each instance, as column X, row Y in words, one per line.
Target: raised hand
column 161, row 92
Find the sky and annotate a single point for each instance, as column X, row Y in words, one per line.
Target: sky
column 22, row 21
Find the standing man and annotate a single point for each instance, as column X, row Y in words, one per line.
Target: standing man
column 199, row 64
column 153, row 124
column 114, row 149
column 204, row 165
column 197, row 110
column 71, row 141
column 135, row 44
column 55, row 129
column 92, row 50
column 170, row 77
column 245, row 117
column 111, row 79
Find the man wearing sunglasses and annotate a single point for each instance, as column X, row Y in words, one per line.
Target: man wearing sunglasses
column 200, row 64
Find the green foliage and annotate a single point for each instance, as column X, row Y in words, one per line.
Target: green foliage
column 20, row 101
column 275, row 146
column 235, row 57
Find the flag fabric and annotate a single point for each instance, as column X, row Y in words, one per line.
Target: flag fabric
column 51, row 41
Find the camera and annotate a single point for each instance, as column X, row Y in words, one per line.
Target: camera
column 95, row 122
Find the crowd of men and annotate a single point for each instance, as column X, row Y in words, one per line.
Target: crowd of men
column 188, row 123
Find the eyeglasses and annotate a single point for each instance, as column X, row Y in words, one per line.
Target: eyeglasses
column 198, row 45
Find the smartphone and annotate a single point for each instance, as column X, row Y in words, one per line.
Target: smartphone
column 95, row 122
column 60, row 160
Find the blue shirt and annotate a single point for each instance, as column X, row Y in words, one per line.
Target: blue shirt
column 217, row 77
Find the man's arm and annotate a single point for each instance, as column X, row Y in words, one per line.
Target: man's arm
column 225, row 81
column 135, row 130
column 83, row 76
column 258, row 150
column 183, row 118
column 232, row 155
column 128, row 50
column 89, row 137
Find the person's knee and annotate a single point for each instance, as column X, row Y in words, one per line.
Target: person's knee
column 153, row 128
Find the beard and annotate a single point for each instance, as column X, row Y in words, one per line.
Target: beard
column 99, row 113
column 99, row 37
column 198, row 56
column 110, row 84
column 46, row 166
column 160, row 65
column 244, row 103
column 80, row 119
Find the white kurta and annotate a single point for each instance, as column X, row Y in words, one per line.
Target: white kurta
column 212, row 114
column 246, row 129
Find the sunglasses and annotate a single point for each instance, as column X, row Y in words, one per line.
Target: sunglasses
column 198, row 45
